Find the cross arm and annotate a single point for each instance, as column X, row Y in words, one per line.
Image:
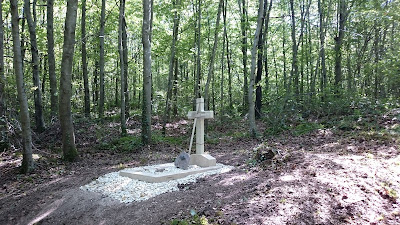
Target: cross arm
column 203, row 114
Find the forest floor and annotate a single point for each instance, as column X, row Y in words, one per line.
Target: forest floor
column 347, row 174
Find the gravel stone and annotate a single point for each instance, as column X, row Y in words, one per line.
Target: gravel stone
column 127, row 190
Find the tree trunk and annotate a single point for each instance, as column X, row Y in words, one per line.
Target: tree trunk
column 175, row 90
column 3, row 110
column 84, row 63
column 198, row 57
column 146, row 37
column 211, row 66
column 343, row 13
column 95, row 88
column 252, row 120
column 265, row 43
column 222, row 62
column 243, row 28
column 228, row 59
column 322, row 45
column 101, row 61
column 295, row 69
column 260, row 57
column 51, row 59
column 376, row 60
column 171, row 64
column 125, row 54
column 122, row 64
column 40, row 126
column 27, row 160
column 285, row 83
column 67, row 128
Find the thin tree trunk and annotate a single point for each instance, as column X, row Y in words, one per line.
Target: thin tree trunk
column 84, row 63
column 222, row 62
column 252, row 120
column 101, row 61
column 228, row 59
column 243, row 28
column 198, row 57
column 260, row 57
column 122, row 64
column 171, row 64
column 285, row 83
column 40, row 126
column 322, row 45
column 44, row 72
column 27, row 160
column 3, row 110
column 343, row 14
column 295, row 70
column 376, row 59
column 211, row 66
column 146, row 37
column 95, row 88
column 349, row 70
column 125, row 54
column 276, row 71
column 265, row 43
column 175, row 90
column 67, row 127
column 51, row 59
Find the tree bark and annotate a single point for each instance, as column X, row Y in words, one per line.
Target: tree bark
column 146, row 37
column 295, row 68
column 343, row 13
column 171, row 64
column 27, row 160
column 265, row 43
column 211, row 66
column 175, row 90
column 260, row 46
column 222, row 110
column 198, row 57
column 122, row 64
column 67, row 128
column 228, row 59
column 101, row 61
column 40, row 126
column 3, row 110
column 252, row 120
column 125, row 54
column 84, row 63
column 322, row 45
column 51, row 59
column 243, row 28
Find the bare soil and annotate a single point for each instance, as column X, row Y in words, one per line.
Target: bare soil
column 328, row 176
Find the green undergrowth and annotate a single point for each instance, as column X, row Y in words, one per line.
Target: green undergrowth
column 298, row 117
column 123, row 144
column 133, row 143
column 196, row 219
column 158, row 138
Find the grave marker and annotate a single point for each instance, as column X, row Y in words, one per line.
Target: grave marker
column 200, row 159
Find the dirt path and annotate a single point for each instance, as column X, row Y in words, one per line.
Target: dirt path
column 323, row 177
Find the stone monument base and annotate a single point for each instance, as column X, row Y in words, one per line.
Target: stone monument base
column 162, row 173
column 203, row 160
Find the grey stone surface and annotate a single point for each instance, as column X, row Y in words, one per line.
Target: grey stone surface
column 169, row 172
column 182, row 161
column 203, row 160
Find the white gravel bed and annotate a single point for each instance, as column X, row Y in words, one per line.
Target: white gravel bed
column 127, row 190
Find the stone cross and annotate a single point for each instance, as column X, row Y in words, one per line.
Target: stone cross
column 200, row 115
